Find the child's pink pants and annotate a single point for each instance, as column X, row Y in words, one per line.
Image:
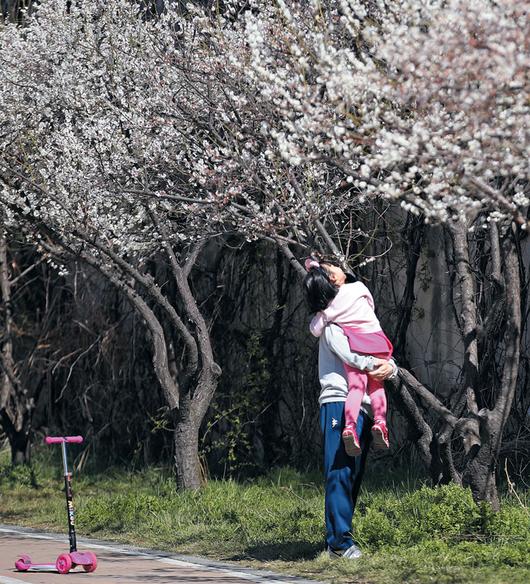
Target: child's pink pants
column 359, row 382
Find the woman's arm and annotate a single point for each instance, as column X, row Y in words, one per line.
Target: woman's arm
column 384, row 369
column 338, row 343
column 377, row 368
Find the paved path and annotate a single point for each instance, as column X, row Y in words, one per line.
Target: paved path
column 118, row 564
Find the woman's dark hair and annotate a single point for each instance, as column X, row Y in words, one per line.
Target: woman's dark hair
column 319, row 290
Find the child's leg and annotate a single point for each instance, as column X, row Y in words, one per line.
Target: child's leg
column 376, row 391
column 357, row 381
column 377, row 395
column 357, row 384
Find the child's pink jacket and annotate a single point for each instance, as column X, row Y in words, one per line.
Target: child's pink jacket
column 353, row 306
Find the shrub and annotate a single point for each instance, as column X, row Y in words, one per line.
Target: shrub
column 443, row 513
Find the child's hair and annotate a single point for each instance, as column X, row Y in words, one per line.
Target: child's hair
column 319, row 289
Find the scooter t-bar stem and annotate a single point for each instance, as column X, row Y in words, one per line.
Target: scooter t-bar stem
column 61, row 439
column 69, row 501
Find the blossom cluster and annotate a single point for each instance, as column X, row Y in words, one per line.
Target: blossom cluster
column 260, row 118
column 424, row 102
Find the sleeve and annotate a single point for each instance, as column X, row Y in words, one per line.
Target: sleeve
column 334, row 311
column 368, row 295
column 318, row 324
column 338, row 343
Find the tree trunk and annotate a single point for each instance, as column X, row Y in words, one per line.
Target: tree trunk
column 18, row 437
column 188, row 419
column 195, row 335
column 480, row 471
column 20, row 449
column 466, row 395
column 187, row 402
column 187, row 466
column 6, row 347
column 15, row 407
column 186, row 442
column 413, row 235
column 423, row 435
column 479, row 474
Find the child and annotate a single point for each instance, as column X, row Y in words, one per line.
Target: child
column 351, row 306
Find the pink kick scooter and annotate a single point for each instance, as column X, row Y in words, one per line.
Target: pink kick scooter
column 65, row 562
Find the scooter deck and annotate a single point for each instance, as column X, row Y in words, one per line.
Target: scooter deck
column 64, row 563
column 39, row 568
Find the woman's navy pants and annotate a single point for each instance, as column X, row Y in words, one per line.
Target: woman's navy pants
column 342, row 473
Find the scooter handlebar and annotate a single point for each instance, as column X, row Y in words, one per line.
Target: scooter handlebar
column 61, row 439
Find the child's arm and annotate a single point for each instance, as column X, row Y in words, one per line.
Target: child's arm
column 338, row 342
column 334, row 311
column 318, row 324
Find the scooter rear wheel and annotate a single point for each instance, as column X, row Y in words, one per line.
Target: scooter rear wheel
column 23, row 563
column 93, row 562
column 63, row 563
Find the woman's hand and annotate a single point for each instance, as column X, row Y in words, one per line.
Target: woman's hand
column 383, row 370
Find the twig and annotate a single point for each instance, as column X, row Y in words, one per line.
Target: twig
column 511, row 486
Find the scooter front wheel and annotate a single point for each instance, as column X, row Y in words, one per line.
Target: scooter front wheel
column 64, row 563
column 23, row 563
column 93, row 562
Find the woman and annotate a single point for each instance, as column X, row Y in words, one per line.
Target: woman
column 343, row 474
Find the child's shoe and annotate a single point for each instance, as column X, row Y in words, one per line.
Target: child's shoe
column 380, row 435
column 351, row 441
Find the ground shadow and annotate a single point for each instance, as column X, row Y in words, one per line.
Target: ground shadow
column 289, row 551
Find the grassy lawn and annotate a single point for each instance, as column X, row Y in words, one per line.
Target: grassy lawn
column 408, row 532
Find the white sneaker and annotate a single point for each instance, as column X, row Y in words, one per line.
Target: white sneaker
column 352, row 553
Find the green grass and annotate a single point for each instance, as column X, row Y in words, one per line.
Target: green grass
column 409, row 532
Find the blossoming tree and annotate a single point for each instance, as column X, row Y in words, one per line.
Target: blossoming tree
column 425, row 103
column 104, row 112
column 127, row 139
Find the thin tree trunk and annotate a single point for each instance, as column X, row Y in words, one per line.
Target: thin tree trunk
column 469, row 430
column 423, row 435
column 480, row 471
column 6, row 383
column 15, row 408
column 198, row 397
column 413, row 232
column 197, row 382
column 18, row 437
column 187, row 421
